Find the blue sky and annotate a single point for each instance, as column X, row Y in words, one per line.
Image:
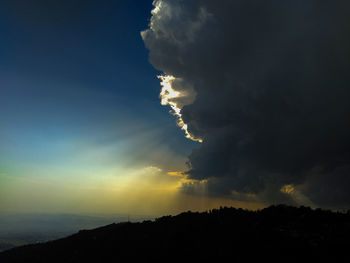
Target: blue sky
column 78, row 101
column 78, row 69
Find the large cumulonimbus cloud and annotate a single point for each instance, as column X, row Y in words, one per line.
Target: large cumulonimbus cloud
column 265, row 87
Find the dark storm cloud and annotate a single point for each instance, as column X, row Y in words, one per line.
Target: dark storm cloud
column 272, row 90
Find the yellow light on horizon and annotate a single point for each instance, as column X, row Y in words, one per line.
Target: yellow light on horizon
column 287, row 189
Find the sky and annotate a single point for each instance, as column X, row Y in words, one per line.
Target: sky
column 81, row 125
column 251, row 107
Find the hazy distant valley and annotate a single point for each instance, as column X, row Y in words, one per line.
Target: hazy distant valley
column 21, row 229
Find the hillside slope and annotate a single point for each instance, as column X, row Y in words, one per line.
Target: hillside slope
column 280, row 233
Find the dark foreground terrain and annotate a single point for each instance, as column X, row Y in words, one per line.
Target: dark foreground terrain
column 18, row 229
column 278, row 233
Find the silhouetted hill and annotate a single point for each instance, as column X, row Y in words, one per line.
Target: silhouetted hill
column 18, row 229
column 277, row 233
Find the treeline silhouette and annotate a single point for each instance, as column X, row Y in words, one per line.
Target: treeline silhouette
column 277, row 233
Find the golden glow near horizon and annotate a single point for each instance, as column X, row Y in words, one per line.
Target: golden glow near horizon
column 297, row 195
column 287, row 189
column 148, row 190
column 169, row 97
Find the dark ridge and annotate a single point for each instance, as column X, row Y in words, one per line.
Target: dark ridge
column 277, row 233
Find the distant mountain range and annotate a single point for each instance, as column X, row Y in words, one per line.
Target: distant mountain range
column 277, row 233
